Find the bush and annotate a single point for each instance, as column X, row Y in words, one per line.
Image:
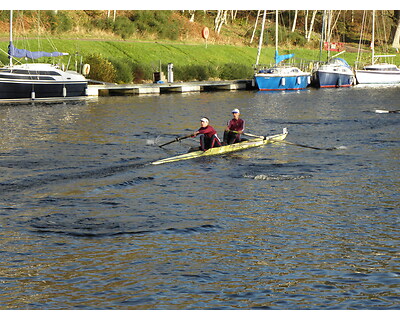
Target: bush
column 141, row 72
column 234, row 71
column 59, row 22
column 101, row 69
column 284, row 36
column 192, row 72
column 103, row 24
column 297, row 39
column 123, row 70
column 229, row 71
column 124, row 27
column 160, row 22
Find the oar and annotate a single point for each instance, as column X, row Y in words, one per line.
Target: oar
column 302, row 145
column 387, row 111
column 176, row 139
column 287, row 142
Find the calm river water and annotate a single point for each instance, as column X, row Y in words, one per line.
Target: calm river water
column 87, row 223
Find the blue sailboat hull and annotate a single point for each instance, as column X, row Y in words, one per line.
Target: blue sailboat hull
column 332, row 80
column 268, row 83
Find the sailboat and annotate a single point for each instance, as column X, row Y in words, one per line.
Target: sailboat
column 378, row 73
column 280, row 77
column 336, row 72
column 38, row 80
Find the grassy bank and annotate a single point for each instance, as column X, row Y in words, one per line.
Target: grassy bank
column 128, row 61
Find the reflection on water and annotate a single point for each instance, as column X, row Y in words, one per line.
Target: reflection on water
column 87, row 223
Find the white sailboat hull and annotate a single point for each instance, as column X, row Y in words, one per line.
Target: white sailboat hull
column 377, row 77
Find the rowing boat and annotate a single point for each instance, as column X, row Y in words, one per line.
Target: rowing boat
column 256, row 142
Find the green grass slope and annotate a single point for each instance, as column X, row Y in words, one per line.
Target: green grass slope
column 215, row 61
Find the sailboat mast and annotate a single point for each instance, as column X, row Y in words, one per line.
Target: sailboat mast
column 373, row 37
column 261, row 37
column 276, row 30
column 323, row 35
column 11, row 32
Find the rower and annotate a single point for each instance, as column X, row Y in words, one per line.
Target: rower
column 208, row 135
column 234, row 128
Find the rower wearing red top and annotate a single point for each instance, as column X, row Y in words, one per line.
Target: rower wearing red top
column 234, row 128
column 208, row 135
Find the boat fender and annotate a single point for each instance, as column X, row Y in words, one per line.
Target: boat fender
column 86, row 69
column 283, row 82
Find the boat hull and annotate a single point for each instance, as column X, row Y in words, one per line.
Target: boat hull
column 40, row 80
column 34, row 90
column 257, row 142
column 267, row 82
column 326, row 79
column 377, row 77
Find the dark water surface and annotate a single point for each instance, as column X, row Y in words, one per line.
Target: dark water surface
column 87, row 223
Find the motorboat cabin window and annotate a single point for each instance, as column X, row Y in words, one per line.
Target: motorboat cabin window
column 35, row 72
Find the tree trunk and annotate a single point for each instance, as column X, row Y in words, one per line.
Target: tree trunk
column 192, row 12
column 294, row 21
column 255, row 27
column 223, row 20
column 396, row 33
column 220, row 20
column 261, row 37
column 306, row 22
column 216, row 21
column 311, row 25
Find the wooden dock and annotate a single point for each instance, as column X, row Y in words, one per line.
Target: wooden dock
column 159, row 88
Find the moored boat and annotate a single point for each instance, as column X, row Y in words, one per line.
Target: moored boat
column 279, row 77
column 252, row 143
column 335, row 73
column 378, row 73
column 38, row 80
column 383, row 73
column 282, row 78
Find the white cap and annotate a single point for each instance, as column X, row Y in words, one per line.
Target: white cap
column 235, row 111
column 205, row 120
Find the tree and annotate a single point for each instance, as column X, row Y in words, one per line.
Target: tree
column 294, row 21
column 311, row 25
column 220, row 19
column 255, row 27
column 396, row 28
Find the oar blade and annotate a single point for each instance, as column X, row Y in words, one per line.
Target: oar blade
column 386, row 111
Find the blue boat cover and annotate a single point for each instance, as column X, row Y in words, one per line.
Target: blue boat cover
column 22, row 53
column 279, row 58
column 344, row 62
